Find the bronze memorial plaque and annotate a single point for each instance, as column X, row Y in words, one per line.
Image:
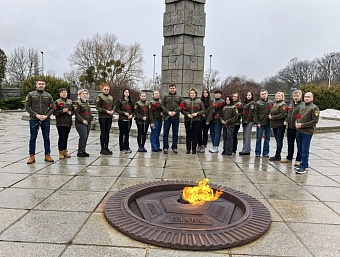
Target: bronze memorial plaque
column 155, row 213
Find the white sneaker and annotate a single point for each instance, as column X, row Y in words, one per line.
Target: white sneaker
column 214, row 149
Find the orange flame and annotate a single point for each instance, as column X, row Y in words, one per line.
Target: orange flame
column 198, row 195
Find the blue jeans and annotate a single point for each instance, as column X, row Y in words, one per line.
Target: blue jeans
column 154, row 136
column 215, row 133
column 174, row 123
column 34, row 129
column 259, row 133
column 304, row 145
column 279, row 134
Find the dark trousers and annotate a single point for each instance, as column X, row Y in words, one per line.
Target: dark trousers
column 235, row 141
column 304, row 141
column 228, row 138
column 191, row 131
column 63, row 132
column 279, row 135
column 291, row 138
column 142, row 132
column 124, row 130
column 105, row 127
column 203, row 133
column 83, row 131
column 34, row 129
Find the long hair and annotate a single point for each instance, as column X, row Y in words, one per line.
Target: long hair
column 251, row 99
column 206, row 100
column 230, row 99
column 129, row 97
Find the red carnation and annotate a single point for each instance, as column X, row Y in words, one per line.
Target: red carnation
column 182, row 106
column 127, row 107
column 155, row 104
column 212, row 104
column 107, row 106
column 51, row 105
column 270, row 107
column 61, row 104
column 297, row 116
column 219, row 104
column 238, row 106
column 243, row 112
column 216, row 116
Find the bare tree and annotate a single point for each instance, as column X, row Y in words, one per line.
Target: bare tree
column 211, row 80
column 22, row 64
column 104, row 58
column 240, row 85
column 3, row 63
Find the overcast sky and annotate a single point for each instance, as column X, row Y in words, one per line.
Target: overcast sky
column 255, row 38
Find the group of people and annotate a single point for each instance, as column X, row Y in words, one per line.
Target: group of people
column 201, row 115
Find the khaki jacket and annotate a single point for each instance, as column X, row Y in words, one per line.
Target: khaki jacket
column 193, row 106
column 278, row 113
column 262, row 111
column 229, row 115
column 39, row 103
column 171, row 103
column 82, row 111
column 104, row 102
column 215, row 111
column 292, row 111
column 155, row 111
column 123, row 106
column 308, row 117
column 142, row 110
column 62, row 118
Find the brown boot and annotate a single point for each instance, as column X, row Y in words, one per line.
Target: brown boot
column 66, row 154
column 31, row 159
column 61, row 155
column 48, row 158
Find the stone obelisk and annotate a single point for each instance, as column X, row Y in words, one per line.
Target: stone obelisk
column 183, row 50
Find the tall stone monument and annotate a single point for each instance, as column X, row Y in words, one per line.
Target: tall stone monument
column 183, row 50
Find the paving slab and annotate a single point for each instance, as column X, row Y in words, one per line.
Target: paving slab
column 56, row 209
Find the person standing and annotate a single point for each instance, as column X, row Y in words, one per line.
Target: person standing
column 155, row 121
column 105, row 108
column 263, row 107
column 229, row 119
column 82, row 111
column 248, row 110
column 171, row 106
column 192, row 111
column 306, row 121
column 39, row 104
column 238, row 105
column 142, row 118
column 63, row 112
column 204, row 126
column 125, row 110
column 277, row 118
column 215, row 122
column 292, row 111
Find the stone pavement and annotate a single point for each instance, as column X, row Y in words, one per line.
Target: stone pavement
column 57, row 209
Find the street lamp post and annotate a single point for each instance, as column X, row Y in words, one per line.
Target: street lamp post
column 330, row 70
column 209, row 77
column 153, row 74
column 42, row 62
